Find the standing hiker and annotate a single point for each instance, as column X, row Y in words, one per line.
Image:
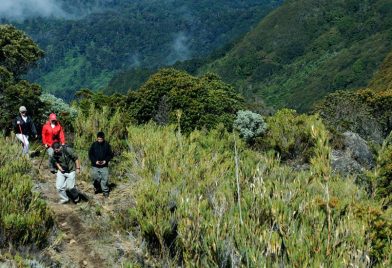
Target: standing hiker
column 67, row 164
column 100, row 154
column 52, row 132
column 24, row 128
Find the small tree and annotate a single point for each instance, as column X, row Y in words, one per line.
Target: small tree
column 17, row 53
column 250, row 125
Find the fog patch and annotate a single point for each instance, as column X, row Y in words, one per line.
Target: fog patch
column 180, row 50
column 23, row 9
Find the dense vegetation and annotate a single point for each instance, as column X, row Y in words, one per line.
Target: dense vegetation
column 170, row 96
column 17, row 54
column 198, row 193
column 25, row 219
column 87, row 51
column 206, row 200
column 306, row 49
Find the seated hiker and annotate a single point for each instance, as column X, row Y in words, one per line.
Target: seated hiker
column 52, row 132
column 65, row 160
column 24, row 128
column 100, row 154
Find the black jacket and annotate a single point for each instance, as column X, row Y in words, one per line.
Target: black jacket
column 99, row 152
column 28, row 127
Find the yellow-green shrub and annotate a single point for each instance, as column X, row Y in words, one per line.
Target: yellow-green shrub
column 190, row 211
column 24, row 217
column 383, row 178
column 289, row 134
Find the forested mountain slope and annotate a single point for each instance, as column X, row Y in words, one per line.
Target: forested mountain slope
column 306, row 49
column 88, row 41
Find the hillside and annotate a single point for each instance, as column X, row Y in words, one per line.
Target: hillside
column 85, row 45
column 195, row 181
column 382, row 80
column 306, row 49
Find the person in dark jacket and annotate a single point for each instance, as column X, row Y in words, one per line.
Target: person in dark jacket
column 24, row 128
column 100, row 154
column 67, row 164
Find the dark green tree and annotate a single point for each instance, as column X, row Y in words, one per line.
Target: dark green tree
column 204, row 101
column 18, row 52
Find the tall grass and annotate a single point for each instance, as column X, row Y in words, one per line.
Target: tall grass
column 25, row 218
column 187, row 204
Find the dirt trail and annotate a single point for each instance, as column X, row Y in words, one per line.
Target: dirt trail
column 84, row 235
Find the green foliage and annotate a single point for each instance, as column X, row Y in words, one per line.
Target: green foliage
column 17, row 53
column 56, row 105
column 89, row 122
column 25, row 218
column 186, row 204
column 289, row 135
column 87, row 51
column 379, row 232
column 366, row 112
column 204, row 102
column 85, row 97
column 306, row 49
column 384, row 172
column 382, row 80
column 250, row 125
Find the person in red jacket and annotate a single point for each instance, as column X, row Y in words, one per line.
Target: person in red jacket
column 52, row 132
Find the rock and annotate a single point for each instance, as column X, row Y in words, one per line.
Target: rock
column 73, row 241
column 358, row 150
column 342, row 163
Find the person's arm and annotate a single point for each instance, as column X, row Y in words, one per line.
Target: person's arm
column 77, row 162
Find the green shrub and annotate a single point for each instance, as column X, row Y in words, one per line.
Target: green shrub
column 89, row 122
column 289, row 134
column 25, row 219
column 64, row 111
column 204, row 102
column 384, row 172
column 366, row 112
column 250, row 125
column 189, row 209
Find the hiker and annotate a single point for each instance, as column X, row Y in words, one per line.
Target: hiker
column 100, row 154
column 52, row 132
column 24, row 128
column 67, row 164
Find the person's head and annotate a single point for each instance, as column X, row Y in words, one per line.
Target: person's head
column 56, row 148
column 53, row 118
column 22, row 110
column 100, row 136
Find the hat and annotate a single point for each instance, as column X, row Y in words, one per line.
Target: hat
column 52, row 117
column 22, row 109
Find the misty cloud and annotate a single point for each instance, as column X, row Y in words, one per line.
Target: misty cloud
column 180, row 48
column 22, row 9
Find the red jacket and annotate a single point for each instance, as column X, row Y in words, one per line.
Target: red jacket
column 51, row 135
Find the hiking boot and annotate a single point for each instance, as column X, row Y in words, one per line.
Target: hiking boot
column 76, row 200
column 97, row 187
column 63, row 202
column 106, row 195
